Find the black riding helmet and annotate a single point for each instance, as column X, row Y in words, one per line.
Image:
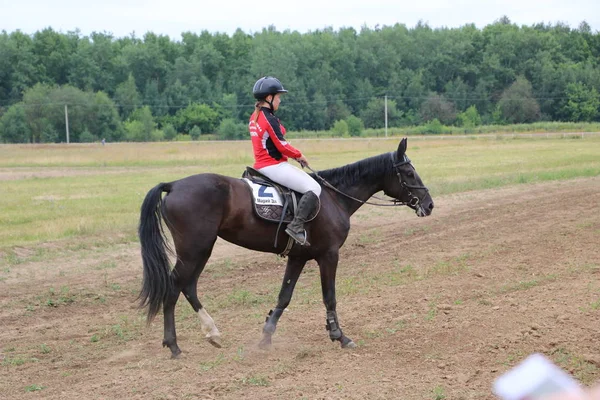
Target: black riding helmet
column 266, row 86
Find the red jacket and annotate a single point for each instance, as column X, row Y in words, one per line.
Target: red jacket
column 268, row 140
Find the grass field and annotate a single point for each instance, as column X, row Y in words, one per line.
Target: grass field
column 55, row 192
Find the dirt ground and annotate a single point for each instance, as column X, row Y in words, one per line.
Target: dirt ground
column 439, row 307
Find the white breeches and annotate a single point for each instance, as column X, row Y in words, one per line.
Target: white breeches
column 288, row 175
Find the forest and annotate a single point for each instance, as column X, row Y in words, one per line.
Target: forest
column 155, row 88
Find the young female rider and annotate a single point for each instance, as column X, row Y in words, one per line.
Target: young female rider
column 271, row 153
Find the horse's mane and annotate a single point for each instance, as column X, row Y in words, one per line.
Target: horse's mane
column 348, row 175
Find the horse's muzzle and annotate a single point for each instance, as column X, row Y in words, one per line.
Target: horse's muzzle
column 424, row 209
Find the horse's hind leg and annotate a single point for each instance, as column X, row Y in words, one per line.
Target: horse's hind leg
column 208, row 325
column 190, row 288
column 292, row 273
column 170, row 336
column 185, row 278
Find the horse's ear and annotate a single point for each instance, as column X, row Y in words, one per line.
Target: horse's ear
column 402, row 149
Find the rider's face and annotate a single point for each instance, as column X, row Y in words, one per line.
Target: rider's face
column 276, row 101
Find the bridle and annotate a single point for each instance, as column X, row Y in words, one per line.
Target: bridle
column 413, row 202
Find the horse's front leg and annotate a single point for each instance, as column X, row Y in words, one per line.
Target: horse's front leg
column 328, row 267
column 292, row 272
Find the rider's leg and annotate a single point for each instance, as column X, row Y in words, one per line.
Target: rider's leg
column 298, row 180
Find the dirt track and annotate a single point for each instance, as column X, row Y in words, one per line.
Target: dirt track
column 439, row 307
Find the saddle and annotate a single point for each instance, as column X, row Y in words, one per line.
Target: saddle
column 273, row 202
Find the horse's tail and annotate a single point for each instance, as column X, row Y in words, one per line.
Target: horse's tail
column 157, row 281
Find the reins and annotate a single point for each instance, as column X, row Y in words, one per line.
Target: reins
column 415, row 201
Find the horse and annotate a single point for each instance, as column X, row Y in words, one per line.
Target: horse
column 199, row 208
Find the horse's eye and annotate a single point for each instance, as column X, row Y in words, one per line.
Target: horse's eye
column 411, row 174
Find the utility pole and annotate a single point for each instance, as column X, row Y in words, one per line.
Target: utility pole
column 67, row 122
column 385, row 107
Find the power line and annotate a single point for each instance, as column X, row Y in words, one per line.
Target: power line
column 319, row 102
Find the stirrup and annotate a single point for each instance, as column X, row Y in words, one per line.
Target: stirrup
column 300, row 240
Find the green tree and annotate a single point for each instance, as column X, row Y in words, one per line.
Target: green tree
column 83, row 69
column 337, row 111
column 583, row 103
column 103, row 118
column 45, row 114
column 201, row 115
column 24, row 65
column 340, row 128
column 146, row 60
column 229, row 129
column 457, row 92
column 434, row 127
column 319, row 112
column 154, row 99
column 169, row 132
column 195, row 132
column 87, row 137
column 437, row 107
column 177, row 97
column 135, row 132
column 344, row 69
column 469, row 118
column 415, row 92
column 38, row 106
column 127, row 97
column 50, row 135
column 229, row 107
column 80, row 106
column 517, row 104
column 373, row 115
column 13, row 125
column 53, row 50
column 141, row 126
column 355, row 125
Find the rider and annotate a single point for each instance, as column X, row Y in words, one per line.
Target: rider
column 271, row 152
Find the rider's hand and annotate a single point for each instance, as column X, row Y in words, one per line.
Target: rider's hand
column 593, row 394
column 303, row 161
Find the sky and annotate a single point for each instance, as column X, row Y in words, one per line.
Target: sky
column 173, row 17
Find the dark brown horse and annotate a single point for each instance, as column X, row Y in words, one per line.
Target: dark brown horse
column 200, row 208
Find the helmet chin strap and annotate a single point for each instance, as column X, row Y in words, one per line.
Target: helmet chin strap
column 270, row 103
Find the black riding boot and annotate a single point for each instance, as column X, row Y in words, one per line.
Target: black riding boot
column 306, row 206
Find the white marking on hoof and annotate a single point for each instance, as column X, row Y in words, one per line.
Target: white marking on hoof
column 209, row 328
column 214, row 340
column 350, row 345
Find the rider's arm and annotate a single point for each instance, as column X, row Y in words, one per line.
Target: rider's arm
column 276, row 134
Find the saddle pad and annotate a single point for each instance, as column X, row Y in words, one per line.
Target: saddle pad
column 268, row 203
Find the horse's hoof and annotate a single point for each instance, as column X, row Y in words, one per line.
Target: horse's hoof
column 265, row 344
column 175, row 354
column 215, row 341
column 349, row 345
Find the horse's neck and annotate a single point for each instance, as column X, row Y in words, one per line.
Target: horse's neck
column 362, row 192
column 359, row 181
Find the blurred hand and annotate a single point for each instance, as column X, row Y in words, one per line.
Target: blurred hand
column 593, row 394
column 302, row 161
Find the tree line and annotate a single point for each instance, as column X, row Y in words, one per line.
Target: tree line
column 156, row 88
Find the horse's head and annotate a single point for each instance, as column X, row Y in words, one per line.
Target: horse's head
column 405, row 185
